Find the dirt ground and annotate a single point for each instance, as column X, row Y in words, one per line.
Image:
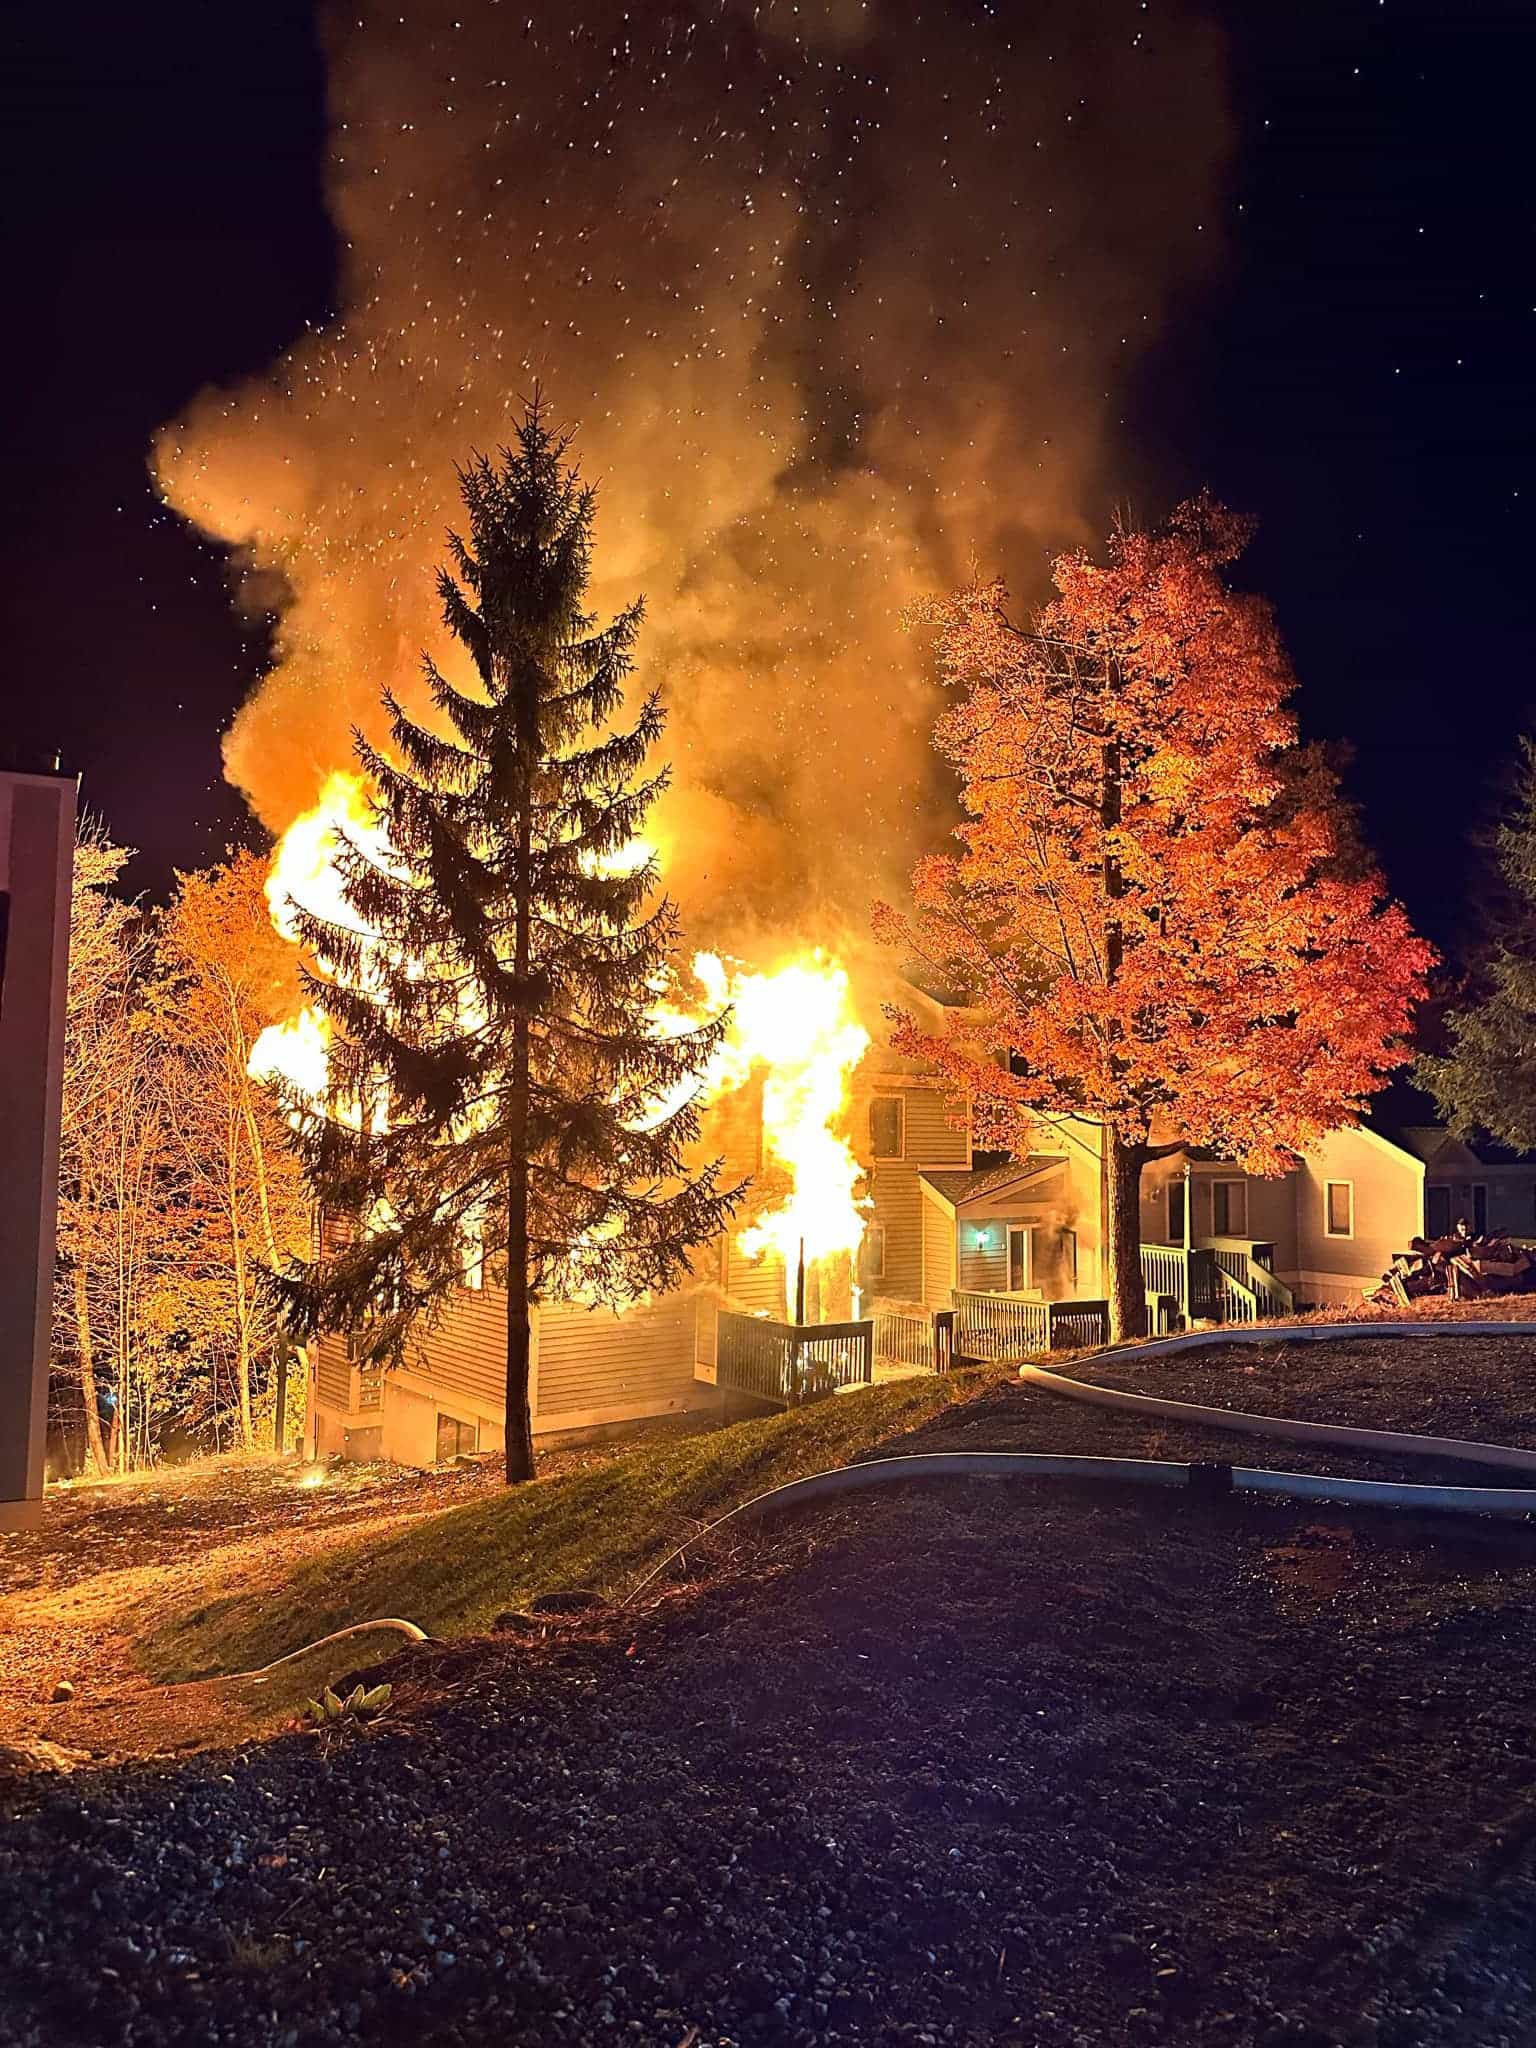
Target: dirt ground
column 992, row 1765
column 75, row 1593
column 109, row 1556
column 1479, row 1388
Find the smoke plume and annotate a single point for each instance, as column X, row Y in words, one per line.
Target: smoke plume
column 842, row 295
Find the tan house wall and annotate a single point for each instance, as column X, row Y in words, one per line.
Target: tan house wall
column 1072, row 1201
column 1271, row 1206
column 1388, row 1210
column 591, row 1367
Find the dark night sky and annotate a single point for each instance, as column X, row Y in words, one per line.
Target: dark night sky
column 1358, row 377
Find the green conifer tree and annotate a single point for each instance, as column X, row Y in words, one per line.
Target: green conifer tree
column 498, row 1086
column 1485, row 1081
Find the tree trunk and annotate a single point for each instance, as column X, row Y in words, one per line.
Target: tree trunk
column 1122, row 1234
column 280, row 1397
column 1121, row 1162
column 519, row 1427
column 242, row 1342
column 85, row 1351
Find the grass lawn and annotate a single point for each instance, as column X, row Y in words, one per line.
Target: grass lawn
column 453, row 1572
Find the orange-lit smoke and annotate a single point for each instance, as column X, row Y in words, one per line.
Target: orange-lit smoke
column 840, row 293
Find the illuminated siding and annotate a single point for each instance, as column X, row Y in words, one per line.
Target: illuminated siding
column 929, row 1140
column 938, row 1253
column 333, row 1375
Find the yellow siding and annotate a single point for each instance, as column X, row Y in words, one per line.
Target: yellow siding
column 938, row 1253
column 591, row 1359
column 588, row 1359
column 333, row 1375
column 931, row 1137
column 466, row 1353
column 984, row 1256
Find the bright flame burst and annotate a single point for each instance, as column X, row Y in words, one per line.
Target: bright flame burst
column 304, row 871
column 796, row 1024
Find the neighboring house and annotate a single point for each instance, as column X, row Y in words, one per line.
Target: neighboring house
column 1326, row 1230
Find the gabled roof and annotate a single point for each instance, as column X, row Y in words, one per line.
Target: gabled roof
column 1422, row 1140
column 956, row 1186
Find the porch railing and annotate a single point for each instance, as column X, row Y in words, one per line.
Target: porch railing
column 1011, row 1326
column 924, row 1339
column 1189, row 1276
column 1254, row 1266
column 790, row 1363
column 1230, row 1281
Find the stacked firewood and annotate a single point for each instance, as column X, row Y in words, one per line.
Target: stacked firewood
column 1460, row 1265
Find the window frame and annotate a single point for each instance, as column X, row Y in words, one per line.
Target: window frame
column 900, row 1102
column 1026, row 1233
column 871, row 1268
column 1225, row 1181
column 1328, row 1229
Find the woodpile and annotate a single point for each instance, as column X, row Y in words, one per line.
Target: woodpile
column 1461, row 1266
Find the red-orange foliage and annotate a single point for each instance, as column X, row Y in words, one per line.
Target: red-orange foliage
column 1160, row 902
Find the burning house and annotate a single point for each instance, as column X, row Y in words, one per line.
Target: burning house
column 826, row 1132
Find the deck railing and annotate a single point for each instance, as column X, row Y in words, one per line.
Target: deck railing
column 922, row 1338
column 1012, row 1326
column 789, row 1363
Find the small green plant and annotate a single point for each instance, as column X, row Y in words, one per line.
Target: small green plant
column 362, row 1703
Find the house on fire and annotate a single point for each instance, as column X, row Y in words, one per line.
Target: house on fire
column 946, row 1229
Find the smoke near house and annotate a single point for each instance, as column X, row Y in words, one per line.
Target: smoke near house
column 757, row 252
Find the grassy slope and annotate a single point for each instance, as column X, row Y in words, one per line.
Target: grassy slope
column 454, row 1572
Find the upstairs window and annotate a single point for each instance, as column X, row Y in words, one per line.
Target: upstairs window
column 1339, row 1208
column 887, row 1127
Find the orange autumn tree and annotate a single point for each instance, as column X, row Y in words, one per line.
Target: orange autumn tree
column 1160, row 909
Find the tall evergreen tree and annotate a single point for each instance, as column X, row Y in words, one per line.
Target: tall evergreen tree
column 498, row 1087
column 1485, row 1081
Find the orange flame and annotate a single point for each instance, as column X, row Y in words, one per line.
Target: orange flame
column 798, row 1024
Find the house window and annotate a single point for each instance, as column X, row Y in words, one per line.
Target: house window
column 1229, row 1208
column 455, row 1438
column 872, row 1258
column 1339, row 1208
column 1175, row 1212
column 1437, row 1211
column 1480, row 1208
column 887, row 1127
column 1020, row 1258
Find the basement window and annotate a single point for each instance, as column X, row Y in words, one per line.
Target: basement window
column 1339, row 1208
column 887, row 1127
column 455, row 1438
